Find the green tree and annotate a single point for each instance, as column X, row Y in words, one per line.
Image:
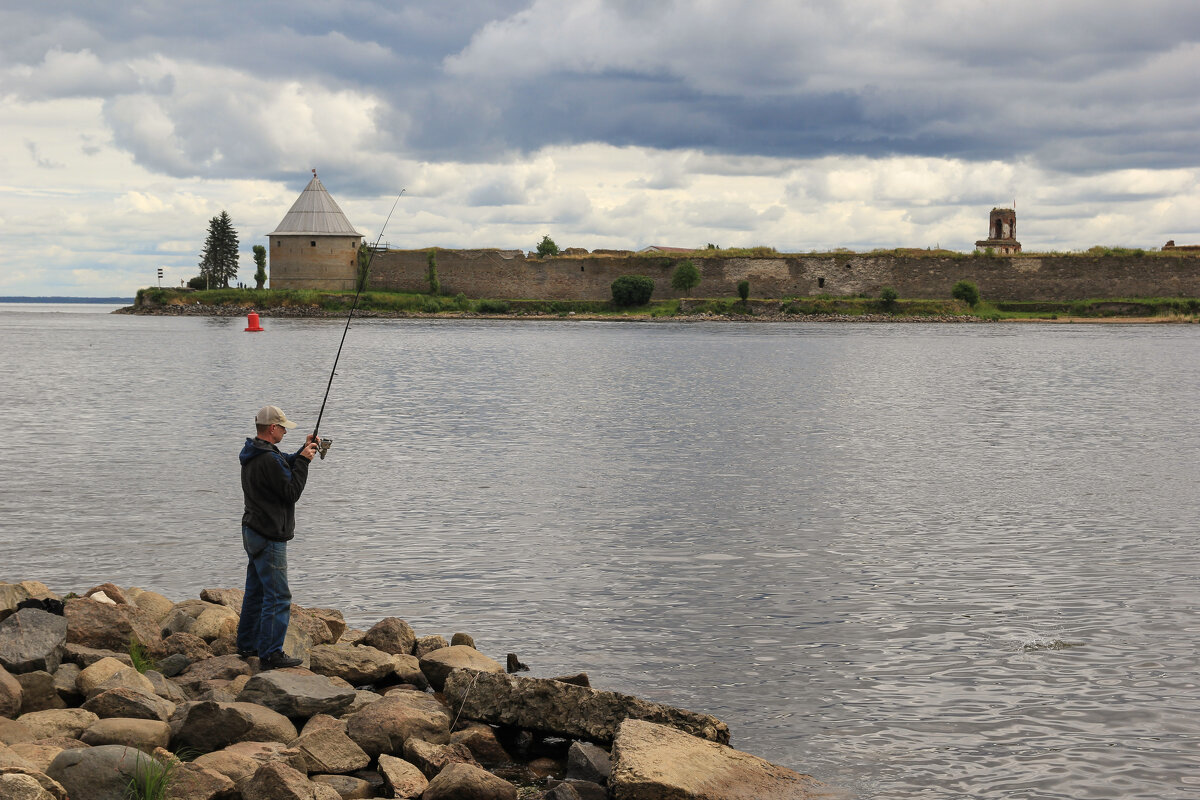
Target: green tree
column 547, row 247
column 685, row 277
column 632, row 290
column 967, row 292
column 435, row 286
column 888, row 296
column 260, row 264
column 364, row 267
column 219, row 258
column 744, row 290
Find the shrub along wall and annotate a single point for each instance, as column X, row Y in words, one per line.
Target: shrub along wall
column 496, row 273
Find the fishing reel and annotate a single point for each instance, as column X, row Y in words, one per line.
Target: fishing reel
column 323, row 445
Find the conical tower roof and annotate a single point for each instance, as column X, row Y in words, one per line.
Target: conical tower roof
column 315, row 212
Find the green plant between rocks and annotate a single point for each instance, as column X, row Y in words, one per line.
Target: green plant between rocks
column 140, row 656
column 151, row 778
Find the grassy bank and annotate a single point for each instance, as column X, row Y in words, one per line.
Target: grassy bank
column 400, row 303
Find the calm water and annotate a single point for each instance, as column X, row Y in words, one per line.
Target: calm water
column 914, row 561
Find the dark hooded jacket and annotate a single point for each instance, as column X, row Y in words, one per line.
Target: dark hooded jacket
column 272, row 483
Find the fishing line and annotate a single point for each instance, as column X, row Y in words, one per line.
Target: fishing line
column 361, row 281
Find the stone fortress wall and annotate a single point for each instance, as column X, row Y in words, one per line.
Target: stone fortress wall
column 511, row 274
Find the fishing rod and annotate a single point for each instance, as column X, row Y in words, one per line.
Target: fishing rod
column 323, row 445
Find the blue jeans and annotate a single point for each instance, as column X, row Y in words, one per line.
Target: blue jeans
column 267, row 605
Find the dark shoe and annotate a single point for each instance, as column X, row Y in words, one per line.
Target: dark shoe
column 247, row 654
column 278, row 660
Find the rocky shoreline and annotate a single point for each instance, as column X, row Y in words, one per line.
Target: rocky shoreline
column 315, row 312
column 122, row 693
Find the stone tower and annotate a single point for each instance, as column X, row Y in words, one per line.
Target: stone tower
column 315, row 246
column 1002, row 233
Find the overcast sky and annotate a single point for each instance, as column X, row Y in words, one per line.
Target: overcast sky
column 799, row 124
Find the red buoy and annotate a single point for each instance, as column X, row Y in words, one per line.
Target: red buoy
column 252, row 325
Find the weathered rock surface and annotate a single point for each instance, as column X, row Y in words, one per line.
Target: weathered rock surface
column 574, row 790
column 42, row 752
column 651, row 762
column 32, row 640
column 12, row 732
column 433, row 758
column 391, row 635
column 241, row 760
column 108, row 627
column 357, row 664
column 154, row 604
column 230, row 598
column 464, row 639
column 331, row 750
column 465, row 782
column 407, row 669
column 64, row 682
column 38, row 692
column 167, row 690
column 346, row 786
column 587, row 762
column 402, row 778
column 129, row 703
column 86, row 656
column 384, row 726
column 277, row 781
column 90, row 678
column 221, row 668
column 9, row 758
column 69, row 722
column 296, row 693
column 99, row 773
column 427, row 644
column 188, row 644
column 20, row 786
column 190, row 781
column 144, row 734
column 128, row 678
column 10, row 694
column 441, row 662
column 563, row 709
column 208, row 725
column 481, row 740
column 207, row 621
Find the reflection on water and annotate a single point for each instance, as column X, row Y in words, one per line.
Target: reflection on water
column 914, row 561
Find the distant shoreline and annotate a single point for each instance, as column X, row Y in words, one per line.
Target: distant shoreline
column 111, row 301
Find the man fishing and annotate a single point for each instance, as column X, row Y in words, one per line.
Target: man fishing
column 272, row 482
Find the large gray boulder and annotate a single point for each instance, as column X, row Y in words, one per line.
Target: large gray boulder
column 438, row 664
column 296, row 693
column 467, row 782
column 208, row 725
column 100, row 773
column 391, row 635
column 32, row 639
column 385, row 725
column 652, row 761
column 105, row 627
column 564, row 709
column 357, row 664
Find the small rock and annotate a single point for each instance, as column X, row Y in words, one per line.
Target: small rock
column 113, row 594
column 277, row 781
column 385, row 725
column 357, row 664
column 97, row 673
column 515, row 665
column 173, row 664
column 86, row 656
column 330, row 750
column 578, row 679
column 483, row 744
column 391, row 635
column 462, row 639
column 407, row 669
column 188, row 644
column 153, row 603
column 463, row 781
column 39, row 692
column 587, row 762
column 296, row 693
column 320, row 722
column 12, row 732
column 427, row 644
column 403, row 778
column 190, row 781
column 241, row 760
column 333, row 620
column 64, row 683
column 19, row 786
column 126, row 677
column 109, row 627
column 431, row 759
column 571, row 789
column 230, row 598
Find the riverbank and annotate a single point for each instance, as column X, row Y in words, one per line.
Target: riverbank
column 821, row 308
column 113, row 693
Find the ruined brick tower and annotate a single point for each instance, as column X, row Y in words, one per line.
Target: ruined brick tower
column 315, row 246
column 1002, row 233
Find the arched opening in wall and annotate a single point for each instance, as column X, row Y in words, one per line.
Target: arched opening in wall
column 581, row 267
column 821, row 281
column 999, row 229
column 312, row 244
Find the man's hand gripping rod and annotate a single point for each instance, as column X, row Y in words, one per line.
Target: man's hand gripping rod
column 323, row 445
